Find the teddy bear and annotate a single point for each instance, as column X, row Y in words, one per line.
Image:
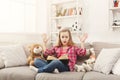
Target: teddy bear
column 36, row 51
column 88, row 64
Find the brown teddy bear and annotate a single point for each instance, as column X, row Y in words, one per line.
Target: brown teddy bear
column 36, row 51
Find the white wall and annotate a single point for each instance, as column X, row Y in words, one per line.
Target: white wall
column 98, row 23
column 42, row 16
column 33, row 17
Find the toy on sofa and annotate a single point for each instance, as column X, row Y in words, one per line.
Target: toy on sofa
column 79, row 68
column 36, row 51
column 88, row 64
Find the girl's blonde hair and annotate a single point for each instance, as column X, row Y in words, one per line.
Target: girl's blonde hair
column 70, row 42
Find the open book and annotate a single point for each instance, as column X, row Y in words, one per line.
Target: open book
column 63, row 58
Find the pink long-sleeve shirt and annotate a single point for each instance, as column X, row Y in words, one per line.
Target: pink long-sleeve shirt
column 72, row 51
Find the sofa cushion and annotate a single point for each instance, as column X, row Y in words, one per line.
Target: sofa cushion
column 13, row 55
column 17, row 73
column 98, row 46
column 106, row 60
column 60, row 76
column 87, row 45
column 116, row 68
column 99, row 76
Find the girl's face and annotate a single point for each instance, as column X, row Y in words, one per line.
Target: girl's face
column 64, row 37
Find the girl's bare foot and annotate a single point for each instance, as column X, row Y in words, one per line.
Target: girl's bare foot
column 34, row 68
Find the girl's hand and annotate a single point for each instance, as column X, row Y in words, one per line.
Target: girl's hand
column 83, row 37
column 45, row 38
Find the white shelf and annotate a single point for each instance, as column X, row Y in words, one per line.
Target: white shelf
column 73, row 16
column 76, row 32
column 63, row 17
column 116, row 26
column 73, row 32
column 63, row 2
column 115, row 8
column 114, row 16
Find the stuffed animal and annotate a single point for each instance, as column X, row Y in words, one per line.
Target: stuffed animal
column 79, row 68
column 36, row 51
column 88, row 64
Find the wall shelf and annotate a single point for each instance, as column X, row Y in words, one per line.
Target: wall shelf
column 65, row 17
column 116, row 26
column 114, row 16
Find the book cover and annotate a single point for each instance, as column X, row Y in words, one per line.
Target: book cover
column 63, row 58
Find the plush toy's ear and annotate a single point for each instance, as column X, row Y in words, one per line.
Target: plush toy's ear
column 92, row 51
column 29, row 48
column 88, row 52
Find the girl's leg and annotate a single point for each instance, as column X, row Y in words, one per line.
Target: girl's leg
column 53, row 65
column 39, row 63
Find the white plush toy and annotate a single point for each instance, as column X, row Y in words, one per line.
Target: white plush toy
column 88, row 64
column 79, row 68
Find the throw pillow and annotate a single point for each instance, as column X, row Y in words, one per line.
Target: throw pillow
column 14, row 56
column 116, row 68
column 1, row 63
column 106, row 60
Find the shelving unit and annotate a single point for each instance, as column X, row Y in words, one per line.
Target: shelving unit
column 66, row 14
column 114, row 13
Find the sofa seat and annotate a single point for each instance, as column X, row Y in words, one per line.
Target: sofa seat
column 99, row 76
column 60, row 76
column 17, row 73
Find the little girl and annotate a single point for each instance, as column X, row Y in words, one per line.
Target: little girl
column 65, row 45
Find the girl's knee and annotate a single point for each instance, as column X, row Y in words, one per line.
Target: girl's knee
column 56, row 61
column 36, row 61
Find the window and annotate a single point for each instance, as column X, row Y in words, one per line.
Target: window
column 20, row 16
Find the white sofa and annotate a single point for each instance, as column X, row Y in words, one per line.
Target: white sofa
column 19, row 70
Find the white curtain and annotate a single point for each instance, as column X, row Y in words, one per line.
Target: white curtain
column 22, row 16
